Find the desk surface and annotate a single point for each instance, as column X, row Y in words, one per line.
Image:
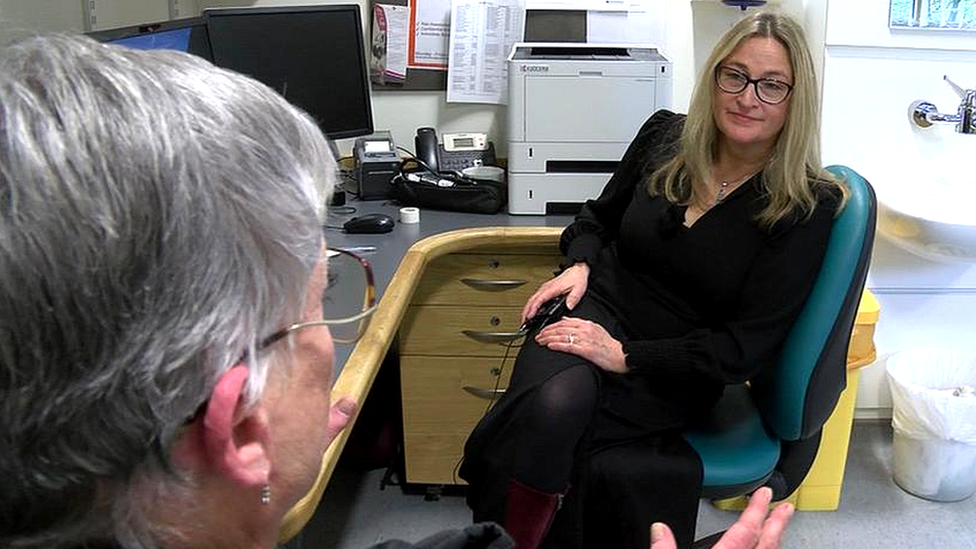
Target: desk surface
column 391, row 247
column 389, row 259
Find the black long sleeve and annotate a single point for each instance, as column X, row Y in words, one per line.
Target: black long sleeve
column 711, row 303
column 780, row 279
column 599, row 220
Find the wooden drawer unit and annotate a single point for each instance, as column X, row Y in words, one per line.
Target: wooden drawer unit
column 459, row 330
column 452, row 339
column 484, row 279
column 443, row 398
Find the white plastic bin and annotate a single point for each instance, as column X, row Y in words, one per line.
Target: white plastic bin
column 934, row 420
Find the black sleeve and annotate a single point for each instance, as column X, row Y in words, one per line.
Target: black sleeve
column 599, row 220
column 779, row 282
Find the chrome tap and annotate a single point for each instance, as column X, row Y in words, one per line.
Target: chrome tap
column 923, row 113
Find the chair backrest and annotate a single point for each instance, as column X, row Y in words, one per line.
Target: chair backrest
column 797, row 396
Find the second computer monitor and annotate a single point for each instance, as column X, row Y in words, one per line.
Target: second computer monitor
column 189, row 35
column 312, row 55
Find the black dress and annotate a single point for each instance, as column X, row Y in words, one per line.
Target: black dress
column 696, row 308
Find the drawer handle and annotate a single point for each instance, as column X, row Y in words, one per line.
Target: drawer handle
column 492, row 337
column 487, row 394
column 491, row 285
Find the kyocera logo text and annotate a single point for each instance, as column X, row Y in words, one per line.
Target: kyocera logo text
column 535, row 68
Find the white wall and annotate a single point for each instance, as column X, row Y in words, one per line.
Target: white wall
column 22, row 17
column 19, row 17
column 872, row 74
column 692, row 26
column 112, row 14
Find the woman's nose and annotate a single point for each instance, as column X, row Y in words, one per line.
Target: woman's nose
column 748, row 97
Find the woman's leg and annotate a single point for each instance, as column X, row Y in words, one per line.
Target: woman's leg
column 556, row 418
column 559, row 413
column 490, row 453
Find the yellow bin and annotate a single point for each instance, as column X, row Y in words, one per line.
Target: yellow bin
column 820, row 490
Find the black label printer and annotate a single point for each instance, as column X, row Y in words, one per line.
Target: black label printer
column 376, row 164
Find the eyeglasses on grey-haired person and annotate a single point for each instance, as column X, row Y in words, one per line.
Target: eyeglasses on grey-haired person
column 347, row 303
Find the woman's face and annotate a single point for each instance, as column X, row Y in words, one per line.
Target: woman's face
column 745, row 122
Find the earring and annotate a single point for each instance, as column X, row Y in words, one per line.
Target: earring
column 266, row 494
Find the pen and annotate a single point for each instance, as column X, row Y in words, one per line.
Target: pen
column 360, row 249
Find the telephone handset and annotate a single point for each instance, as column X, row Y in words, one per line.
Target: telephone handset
column 426, row 144
column 459, row 151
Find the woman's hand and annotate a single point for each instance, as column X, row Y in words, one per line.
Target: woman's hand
column 572, row 282
column 585, row 339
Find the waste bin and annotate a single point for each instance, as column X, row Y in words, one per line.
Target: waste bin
column 934, row 420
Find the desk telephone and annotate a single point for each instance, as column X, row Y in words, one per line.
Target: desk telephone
column 439, row 183
column 459, row 150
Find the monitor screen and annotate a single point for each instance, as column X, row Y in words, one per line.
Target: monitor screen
column 188, row 35
column 312, row 55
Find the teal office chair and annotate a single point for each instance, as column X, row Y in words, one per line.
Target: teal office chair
column 768, row 433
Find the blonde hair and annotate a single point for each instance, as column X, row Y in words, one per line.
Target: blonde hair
column 795, row 159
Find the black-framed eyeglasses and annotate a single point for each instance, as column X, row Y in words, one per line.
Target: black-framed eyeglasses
column 768, row 90
column 347, row 303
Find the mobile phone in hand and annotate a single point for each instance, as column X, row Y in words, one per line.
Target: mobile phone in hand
column 548, row 311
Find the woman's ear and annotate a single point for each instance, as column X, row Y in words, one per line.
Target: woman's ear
column 235, row 441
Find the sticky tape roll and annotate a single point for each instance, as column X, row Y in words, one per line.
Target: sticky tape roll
column 409, row 215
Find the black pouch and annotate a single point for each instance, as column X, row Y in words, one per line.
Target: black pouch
column 463, row 194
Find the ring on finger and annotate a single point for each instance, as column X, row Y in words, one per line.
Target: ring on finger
column 570, row 339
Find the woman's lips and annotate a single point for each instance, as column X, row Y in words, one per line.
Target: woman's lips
column 742, row 117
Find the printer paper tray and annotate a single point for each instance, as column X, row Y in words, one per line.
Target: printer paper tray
column 581, row 166
column 529, row 193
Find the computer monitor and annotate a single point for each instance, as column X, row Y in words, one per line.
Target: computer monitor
column 313, row 55
column 188, row 35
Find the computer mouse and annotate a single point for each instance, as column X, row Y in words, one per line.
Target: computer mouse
column 373, row 223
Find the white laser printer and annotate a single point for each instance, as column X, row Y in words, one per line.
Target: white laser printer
column 572, row 111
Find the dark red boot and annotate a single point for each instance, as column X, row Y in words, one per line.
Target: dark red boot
column 529, row 514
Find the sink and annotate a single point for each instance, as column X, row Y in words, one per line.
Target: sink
column 937, row 239
column 927, row 206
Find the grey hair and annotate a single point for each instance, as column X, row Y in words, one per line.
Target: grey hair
column 158, row 216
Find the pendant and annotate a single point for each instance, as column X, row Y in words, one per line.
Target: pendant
column 721, row 192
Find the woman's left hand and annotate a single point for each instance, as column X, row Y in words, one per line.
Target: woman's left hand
column 585, row 339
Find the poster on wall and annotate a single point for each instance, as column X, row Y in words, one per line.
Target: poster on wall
column 391, row 37
column 388, row 59
column 430, row 26
column 482, row 34
column 932, row 14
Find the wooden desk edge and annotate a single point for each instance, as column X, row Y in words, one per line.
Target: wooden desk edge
column 360, row 369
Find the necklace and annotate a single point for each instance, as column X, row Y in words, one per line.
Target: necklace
column 721, row 191
column 726, row 186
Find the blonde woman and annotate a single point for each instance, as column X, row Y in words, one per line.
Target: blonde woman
column 683, row 276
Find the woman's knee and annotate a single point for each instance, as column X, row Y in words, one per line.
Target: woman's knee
column 569, row 396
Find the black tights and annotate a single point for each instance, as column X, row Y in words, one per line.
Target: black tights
column 559, row 413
